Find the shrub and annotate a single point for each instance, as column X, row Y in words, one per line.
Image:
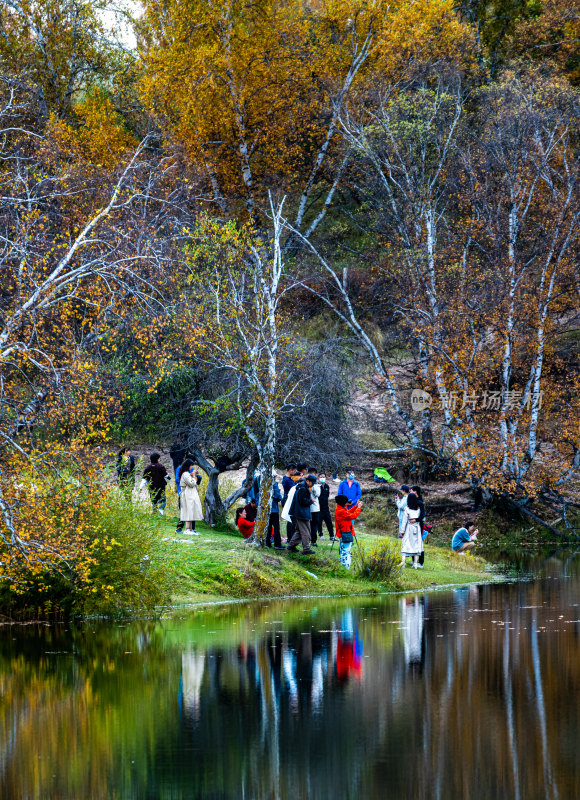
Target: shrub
column 84, row 548
column 380, row 515
column 133, row 560
column 376, row 516
column 50, row 560
column 382, row 561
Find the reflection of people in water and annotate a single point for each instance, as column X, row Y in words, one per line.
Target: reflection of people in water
column 275, row 655
column 192, row 668
column 461, row 596
column 413, row 616
column 302, row 667
column 348, row 657
column 349, row 650
column 248, row 673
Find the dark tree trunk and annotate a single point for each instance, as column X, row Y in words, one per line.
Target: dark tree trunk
column 213, row 505
column 426, row 430
column 245, row 487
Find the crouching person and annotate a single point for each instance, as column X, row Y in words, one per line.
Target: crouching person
column 343, row 518
column 243, row 524
column 464, row 539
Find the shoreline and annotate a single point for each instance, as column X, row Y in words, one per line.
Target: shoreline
column 155, row 571
column 219, row 569
column 389, row 592
column 164, row 612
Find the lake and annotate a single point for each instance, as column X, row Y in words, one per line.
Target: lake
column 466, row 693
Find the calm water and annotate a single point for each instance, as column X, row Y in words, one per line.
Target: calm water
column 471, row 693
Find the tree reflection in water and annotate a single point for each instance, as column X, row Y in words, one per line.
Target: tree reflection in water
column 468, row 693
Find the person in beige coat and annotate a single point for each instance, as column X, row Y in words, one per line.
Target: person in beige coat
column 189, row 503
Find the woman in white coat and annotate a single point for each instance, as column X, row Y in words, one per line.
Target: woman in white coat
column 401, row 503
column 315, row 511
column 412, row 544
column 189, row 503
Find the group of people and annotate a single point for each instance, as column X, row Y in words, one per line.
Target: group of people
column 412, row 527
column 155, row 479
column 413, row 530
column 302, row 502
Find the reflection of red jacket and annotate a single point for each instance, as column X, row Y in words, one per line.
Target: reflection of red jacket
column 347, row 660
column 343, row 518
column 245, row 527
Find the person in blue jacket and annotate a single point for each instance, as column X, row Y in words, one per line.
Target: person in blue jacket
column 351, row 489
column 254, row 492
column 464, row 539
column 274, row 521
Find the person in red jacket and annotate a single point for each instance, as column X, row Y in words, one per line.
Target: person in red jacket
column 343, row 518
column 245, row 527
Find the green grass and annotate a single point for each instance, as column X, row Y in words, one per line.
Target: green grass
column 142, row 565
column 219, row 565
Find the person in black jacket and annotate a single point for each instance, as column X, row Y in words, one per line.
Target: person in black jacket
column 302, row 516
column 325, row 515
column 155, row 476
column 416, row 490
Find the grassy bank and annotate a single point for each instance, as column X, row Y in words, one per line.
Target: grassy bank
column 138, row 563
column 218, row 565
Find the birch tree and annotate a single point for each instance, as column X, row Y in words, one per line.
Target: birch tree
column 77, row 255
column 206, row 420
column 530, row 205
column 473, row 220
column 241, row 283
column 254, row 91
column 60, row 47
column 408, row 141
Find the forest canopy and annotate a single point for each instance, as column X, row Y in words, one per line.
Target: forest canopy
column 214, row 234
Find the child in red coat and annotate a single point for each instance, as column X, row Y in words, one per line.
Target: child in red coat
column 245, row 527
column 343, row 518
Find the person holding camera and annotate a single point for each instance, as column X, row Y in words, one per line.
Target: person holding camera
column 401, row 503
column 343, row 521
column 464, row 539
column 190, row 510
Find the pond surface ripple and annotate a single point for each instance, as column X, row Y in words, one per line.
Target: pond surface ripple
column 469, row 693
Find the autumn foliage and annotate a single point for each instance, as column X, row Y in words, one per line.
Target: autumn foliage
column 410, row 169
